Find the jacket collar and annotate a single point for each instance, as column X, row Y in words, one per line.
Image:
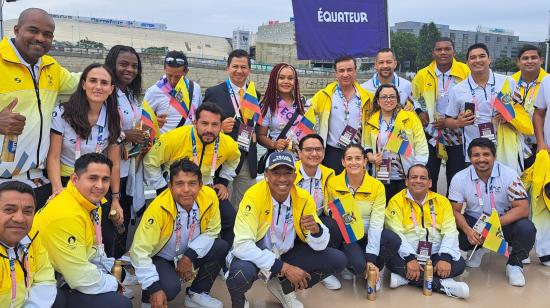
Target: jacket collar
column 457, row 70
column 341, row 184
column 8, row 53
column 542, row 74
column 374, row 119
column 82, row 201
column 494, row 173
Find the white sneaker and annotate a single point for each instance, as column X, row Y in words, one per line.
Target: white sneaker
column 526, row 260
column 475, row 260
column 515, row 275
column 332, row 283
column 397, row 280
column 455, row 288
column 130, row 280
column 546, row 263
column 289, row 300
column 379, row 281
column 347, row 274
column 193, row 299
column 145, row 305
column 128, row 293
column 246, row 304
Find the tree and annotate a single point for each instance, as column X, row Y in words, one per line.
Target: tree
column 505, row 64
column 86, row 43
column 426, row 41
column 155, row 50
column 404, row 45
column 460, row 56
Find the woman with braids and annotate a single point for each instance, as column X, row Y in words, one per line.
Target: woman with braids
column 281, row 100
column 89, row 122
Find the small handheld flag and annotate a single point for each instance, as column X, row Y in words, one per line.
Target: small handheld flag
column 494, row 238
column 347, row 217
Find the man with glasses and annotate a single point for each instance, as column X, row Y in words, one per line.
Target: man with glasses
column 174, row 98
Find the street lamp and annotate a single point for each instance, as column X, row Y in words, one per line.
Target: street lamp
column 2, row 17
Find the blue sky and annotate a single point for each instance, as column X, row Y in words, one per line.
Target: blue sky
column 528, row 18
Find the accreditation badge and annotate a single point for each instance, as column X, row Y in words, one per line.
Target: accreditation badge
column 487, row 130
column 481, row 223
column 383, row 172
column 244, row 137
column 347, row 136
column 424, row 251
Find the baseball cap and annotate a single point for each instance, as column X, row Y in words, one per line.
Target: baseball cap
column 283, row 158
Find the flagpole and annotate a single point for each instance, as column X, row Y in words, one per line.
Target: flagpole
column 469, row 258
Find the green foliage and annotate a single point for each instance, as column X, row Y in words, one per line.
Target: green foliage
column 89, row 44
column 155, row 50
column 426, row 41
column 404, row 45
column 505, row 64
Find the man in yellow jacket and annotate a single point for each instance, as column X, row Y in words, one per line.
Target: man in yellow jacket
column 341, row 109
column 430, row 87
column 279, row 237
column 176, row 238
column 70, row 229
column 29, row 84
column 26, row 275
column 216, row 154
column 425, row 223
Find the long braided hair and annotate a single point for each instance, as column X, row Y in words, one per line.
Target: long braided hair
column 270, row 99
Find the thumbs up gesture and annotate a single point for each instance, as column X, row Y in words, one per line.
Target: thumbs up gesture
column 11, row 123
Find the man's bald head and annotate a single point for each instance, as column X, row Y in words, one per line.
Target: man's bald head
column 34, row 34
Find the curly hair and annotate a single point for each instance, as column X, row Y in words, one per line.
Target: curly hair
column 270, row 99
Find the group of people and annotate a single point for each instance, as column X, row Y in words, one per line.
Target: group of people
column 350, row 175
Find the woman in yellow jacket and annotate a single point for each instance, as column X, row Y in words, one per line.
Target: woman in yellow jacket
column 394, row 139
column 357, row 203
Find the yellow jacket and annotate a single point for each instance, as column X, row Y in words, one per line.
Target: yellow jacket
column 371, row 200
column 177, row 144
column 42, row 289
column 254, row 220
column 322, row 106
column 399, row 220
column 16, row 81
column 529, row 104
column 425, row 83
column 326, row 174
column 407, row 122
column 157, row 226
column 535, row 178
column 68, row 234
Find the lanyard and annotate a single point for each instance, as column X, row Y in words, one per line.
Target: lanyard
column 77, row 151
column 474, row 97
column 195, row 154
column 387, row 132
column 491, row 195
column 234, row 100
column 529, row 87
column 288, row 215
column 12, row 257
column 432, row 214
column 446, row 86
column 376, row 82
column 345, row 102
column 191, row 229
column 97, row 226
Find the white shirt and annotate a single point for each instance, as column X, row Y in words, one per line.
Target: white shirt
column 160, row 103
column 130, row 115
column 277, row 121
column 186, row 221
column 337, row 119
column 35, row 69
column 283, row 227
column 89, row 145
column 542, row 101
column 403, row 86
column 504, row 182
column 462, row 93
column 314, row 186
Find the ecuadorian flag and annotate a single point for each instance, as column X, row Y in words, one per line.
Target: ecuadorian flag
column 346, row 214
column 305, row 125
column 149, row 121
column 180, row 99
column 250, row 106
column 398, row 145
column 494, row 238
column 504, row 103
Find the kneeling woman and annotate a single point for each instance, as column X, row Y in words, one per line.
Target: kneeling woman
column 89, row 122
column 359, row 201
column 394, row 139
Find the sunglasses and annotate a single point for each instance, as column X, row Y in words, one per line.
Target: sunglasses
column 175, row 61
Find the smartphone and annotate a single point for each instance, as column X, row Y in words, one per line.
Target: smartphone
column 470, row 107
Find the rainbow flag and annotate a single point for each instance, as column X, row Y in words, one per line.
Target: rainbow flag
column 494, row 238
column 504, row 103
column 348, row 218
column 397, row 145
column 149, row 121
column 250, row 107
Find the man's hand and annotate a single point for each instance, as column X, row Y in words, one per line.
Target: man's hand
column 281, row 144
column 158, row 300
column 443, row 269
column 408, row 107
column 439, row 123
column 377, row 159
column 308, row 223
column 473, row 237
column 11, row 123
column 369, row 265
column 135, row 136
column 541, row 146
column 424, row 118
column 221, row 191
column 161, row 119
column 185, row 268
column 465, row 119
column 413, row 270
column 115, row 205
column 297, row 276
column 228, row 124
column 499, row 119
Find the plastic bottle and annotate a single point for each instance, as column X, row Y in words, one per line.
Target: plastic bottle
column 117, row 270
column 113, row 217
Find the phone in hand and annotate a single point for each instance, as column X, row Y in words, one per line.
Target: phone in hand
column 469, row 109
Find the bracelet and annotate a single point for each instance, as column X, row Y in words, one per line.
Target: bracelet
column 115, row 195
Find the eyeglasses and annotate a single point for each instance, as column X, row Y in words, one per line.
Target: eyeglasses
column 175, row 61
column 310, row 150
column 387, row 97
